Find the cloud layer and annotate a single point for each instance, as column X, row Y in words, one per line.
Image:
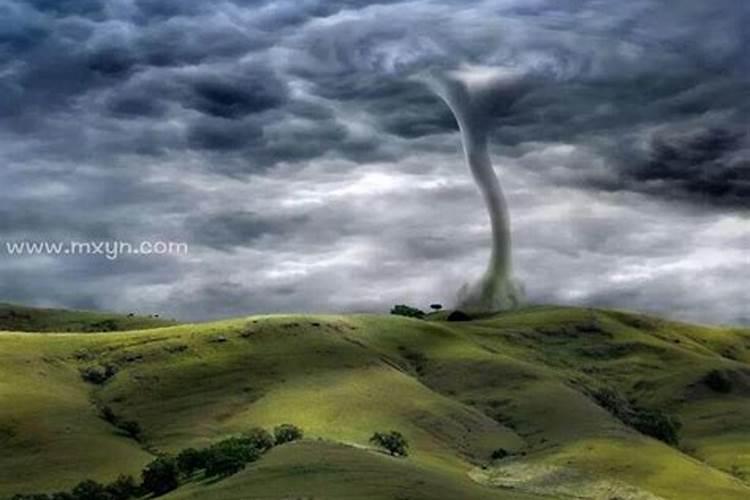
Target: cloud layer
column 289, row 145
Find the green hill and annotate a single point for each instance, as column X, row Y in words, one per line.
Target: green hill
column 569, row 394
column 32, row 319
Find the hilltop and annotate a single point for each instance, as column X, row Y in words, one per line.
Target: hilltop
column 14, row 317
column 572, row 402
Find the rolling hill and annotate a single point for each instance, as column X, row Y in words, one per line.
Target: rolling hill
column 32, row 319
column 575, row 399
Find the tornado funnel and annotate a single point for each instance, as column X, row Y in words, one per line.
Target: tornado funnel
column 474, row 95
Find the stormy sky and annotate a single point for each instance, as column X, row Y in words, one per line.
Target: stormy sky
column 288, row 143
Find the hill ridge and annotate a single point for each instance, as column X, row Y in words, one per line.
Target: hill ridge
column 565, row 392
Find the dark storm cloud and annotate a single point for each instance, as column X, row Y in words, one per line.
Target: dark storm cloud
column 124, row 106
column 211, row 91
column 288, row 142
column 709, row 165
column 160, row 10
column 229, row 98
column 87, row 8
column 223, row 135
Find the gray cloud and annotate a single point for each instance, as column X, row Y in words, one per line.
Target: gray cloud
column 707, row 164
column 227, row 230
column 286, row 142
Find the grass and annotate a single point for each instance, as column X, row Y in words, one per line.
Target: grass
column 30, row 319
column 521, row 381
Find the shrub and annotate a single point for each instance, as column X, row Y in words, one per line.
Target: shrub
column 241, row 448
column 222, row 463
column 98, row 374
column 409, row 312
column 286, row 433
column 230, row 456
column 650, row 422
column 107, row 325
column 160, row 476
column 62, row 495
column 657, row 425
column 393, row 442
column 459, row 316
column 123, row 488
column 258, row 438
column 614, row 403
column 131, row 428
column 109, row 415
column 191, row 460
column 90, row 490
column 718, row 381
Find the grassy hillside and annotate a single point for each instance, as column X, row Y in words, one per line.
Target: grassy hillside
column 33, row 319
column 561, row 390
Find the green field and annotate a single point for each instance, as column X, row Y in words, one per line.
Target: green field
column 525, row 381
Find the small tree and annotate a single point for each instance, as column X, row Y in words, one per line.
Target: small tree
column 223, row 463
column 459, row 316
column 90, row 490
column 191, row 460
column 286, row 433
column 718, row 381
column 123, row 488
column 131, row 428
column 108, row 414
column 62, row 495
column 161, row 476
column 436, row 307
column 656, row 424
column 258, row 438
column 409, row 312
column 393, row 442
column 98, row 374
column 230, row 456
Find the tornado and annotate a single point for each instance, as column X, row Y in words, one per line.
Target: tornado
column 474, row 95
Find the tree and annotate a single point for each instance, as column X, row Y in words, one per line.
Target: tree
column 90, row 490
column 223, row 463
column 286, row 433
column 131, row 428
column 409, row 312
column 191, row 460
column 459, row 316
column 230, row 456
column 62, row 495
column 108, row 414
column 650, row 422
column 161, row 476
column 98, row 374
column 393, row 442
column 123, row 488
column 258, row 438
column 718, row 381
column 245, row 450
column 436, row 307
column 657, row 425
